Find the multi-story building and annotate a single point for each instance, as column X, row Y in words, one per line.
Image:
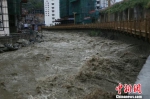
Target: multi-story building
column 14, row 13
column 10, row 12
column 4, row 23
column 51, row 12
column 101, row 4
column 77, row 10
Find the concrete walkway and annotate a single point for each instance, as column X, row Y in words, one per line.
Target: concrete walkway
column 144, row 79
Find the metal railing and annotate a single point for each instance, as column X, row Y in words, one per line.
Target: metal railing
column 139, row 27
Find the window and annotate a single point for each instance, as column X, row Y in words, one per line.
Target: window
column 53, row 11
column 52, row 7
column 98, row 7
column 53, row 18
column 52, row 3
column 98, row 2
column 53, row 14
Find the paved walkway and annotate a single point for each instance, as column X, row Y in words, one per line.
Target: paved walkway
column 144, row 79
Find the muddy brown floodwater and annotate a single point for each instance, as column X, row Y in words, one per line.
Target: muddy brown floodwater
column 70, row 65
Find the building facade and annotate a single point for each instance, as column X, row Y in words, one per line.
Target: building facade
column 79, row 11
column 101, row 4
column 51, row 12
column 14, row 14
column 137, row 11
column 4, row 21
column 10, row 12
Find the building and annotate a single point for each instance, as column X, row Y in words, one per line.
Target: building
column 37, row 11
column 4, row 21
column 102, row 4
column 10, row 14
column 137, row 11
column 81, row 11
column 51, row 12
column 77, row 11
column 14, row 14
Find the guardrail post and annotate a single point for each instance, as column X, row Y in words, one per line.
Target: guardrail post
column 127, row 25
column 117, row 25
column 135, row 27
column 130, row 29
column 149, row 24
column 146, row 34
column 140, row 28
column 120, row 24
column 149, row 29
column 123, row 25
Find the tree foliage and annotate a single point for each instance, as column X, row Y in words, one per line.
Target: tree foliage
column 34, row 4
column 118, row 7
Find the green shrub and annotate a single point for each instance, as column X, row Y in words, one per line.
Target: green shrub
column 94, row 33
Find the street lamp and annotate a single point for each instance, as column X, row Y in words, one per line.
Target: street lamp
column 74, row 16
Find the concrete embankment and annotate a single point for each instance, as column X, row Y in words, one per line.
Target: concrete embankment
column 144, row 79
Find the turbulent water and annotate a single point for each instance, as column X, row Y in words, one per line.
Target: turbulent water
column 71, row 65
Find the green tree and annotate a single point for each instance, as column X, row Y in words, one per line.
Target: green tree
column 34, row 4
